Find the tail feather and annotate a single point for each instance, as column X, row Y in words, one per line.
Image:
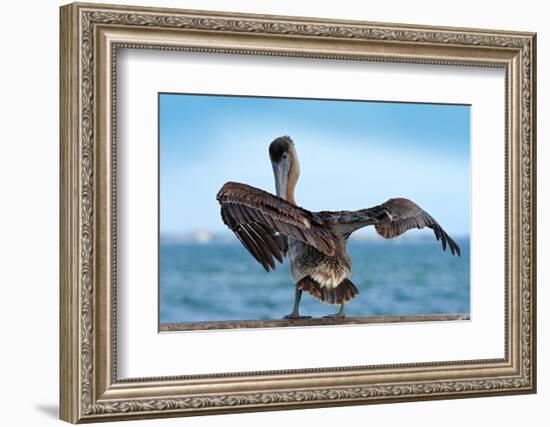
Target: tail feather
column 344, row 292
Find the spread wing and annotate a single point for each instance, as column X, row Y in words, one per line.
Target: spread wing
column 262, row 222
column 390, row 219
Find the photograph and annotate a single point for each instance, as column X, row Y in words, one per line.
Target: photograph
column 291, row 208
column 270, row 212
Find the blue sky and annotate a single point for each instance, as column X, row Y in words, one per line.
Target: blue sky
column 352, row 155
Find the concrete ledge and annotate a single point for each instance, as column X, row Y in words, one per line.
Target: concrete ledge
column 317, row 321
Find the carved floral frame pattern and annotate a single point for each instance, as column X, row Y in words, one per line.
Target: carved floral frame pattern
column 79, row 400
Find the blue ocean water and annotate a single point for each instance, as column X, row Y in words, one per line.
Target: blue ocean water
column 221, row 281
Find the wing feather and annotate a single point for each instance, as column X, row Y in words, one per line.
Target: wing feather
column 265, row 234
column 401, row 215
column 265, row 250
column 247, row 242
column 390, row 219
column 261, row 221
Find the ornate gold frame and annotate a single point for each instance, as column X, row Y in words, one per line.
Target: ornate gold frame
column 90, row 35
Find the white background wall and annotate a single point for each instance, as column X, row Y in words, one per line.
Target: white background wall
column 29, row 171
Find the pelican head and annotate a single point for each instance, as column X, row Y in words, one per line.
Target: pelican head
column 286, row 167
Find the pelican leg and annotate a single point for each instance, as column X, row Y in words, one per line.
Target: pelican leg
column 295, row 313
column 339, row 314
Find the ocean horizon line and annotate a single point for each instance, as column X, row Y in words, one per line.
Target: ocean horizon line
column 205, row 236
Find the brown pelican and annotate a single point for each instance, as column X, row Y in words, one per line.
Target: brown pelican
column 270, row 226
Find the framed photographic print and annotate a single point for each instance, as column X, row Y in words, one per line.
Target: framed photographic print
column 344, row 210
column 206, row 275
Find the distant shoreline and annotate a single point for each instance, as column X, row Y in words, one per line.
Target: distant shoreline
column 212, row 238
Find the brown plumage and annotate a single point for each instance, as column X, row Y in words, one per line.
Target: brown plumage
column 391, row 219
column 259, row 218
column 344, row 292
column 403, row 215
column 268, row 225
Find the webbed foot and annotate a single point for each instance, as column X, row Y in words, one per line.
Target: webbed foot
column 294, row 316
column 338, row 315
column 334, row 316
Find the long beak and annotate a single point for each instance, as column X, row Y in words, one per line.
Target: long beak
column 281, row 171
